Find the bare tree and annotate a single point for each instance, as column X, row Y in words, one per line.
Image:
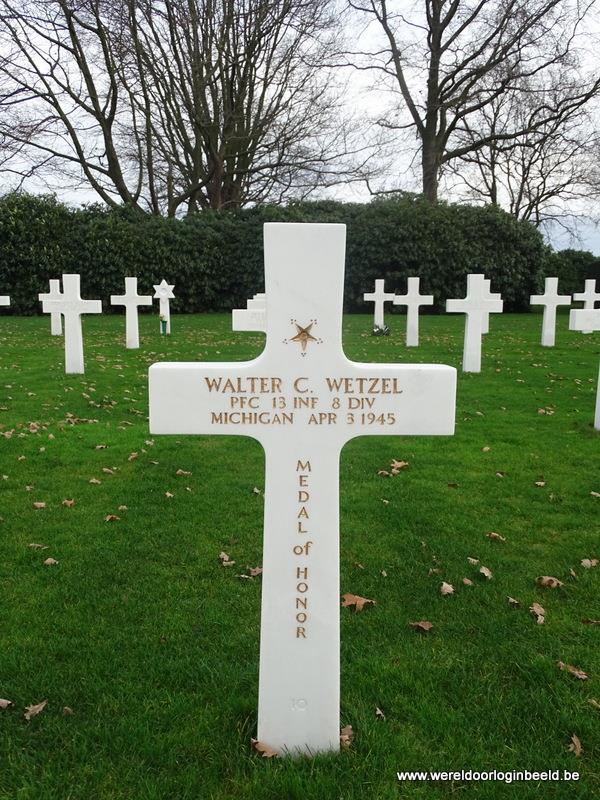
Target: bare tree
column 549, row 175
column 448, row 60
column 165, row 105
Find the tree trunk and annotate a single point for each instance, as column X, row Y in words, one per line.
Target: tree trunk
column 430, row 166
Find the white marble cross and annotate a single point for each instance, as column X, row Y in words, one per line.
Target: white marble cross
column 550, row 300
column 164, row 292
column 71, row 306
column 413, row 300
column 4, row 300
column 589, row 297
column 380, row 297
column 131, row 300
column 253, row 317
column 55, row 316
column 584, row 320
column 303, row 400
column 477, row 305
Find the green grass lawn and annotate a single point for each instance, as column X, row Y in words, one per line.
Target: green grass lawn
column 154, row 645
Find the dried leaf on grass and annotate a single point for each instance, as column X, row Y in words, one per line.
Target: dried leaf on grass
column 68, row 503
column 548, row 582
column 588, row 621
column 514, row 603
column 50, row 562
column 225, row 560
column 487, row 573
column 594, row 703
column 379, row 713
column 446, row 588
column 588, row 563
column 349, row 600
column 346, row 736
column 33, row 711
column 36, row 546
column 467, row 582
column 575, row 671
column 263, row 749
column 423, row 625
column 183, row 472
column 39, row 505
column 111, row 518
column 5, row 703
column 575, row 746
column 495, row 536
column 538, row 612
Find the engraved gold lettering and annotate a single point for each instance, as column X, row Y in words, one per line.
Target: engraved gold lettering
column 297, row 386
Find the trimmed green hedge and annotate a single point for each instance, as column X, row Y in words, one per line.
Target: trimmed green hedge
column 215, row 259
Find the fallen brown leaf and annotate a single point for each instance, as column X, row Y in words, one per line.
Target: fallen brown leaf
column 39, row 505
column 594, row 703
column 263, row 749
column 108, row 471
column 36, row 546
column 587, row 621
column 255, row 571
column 540, row 483
column 446, row 588
column 33, row 711
column 472, row 561
column 225, row 560
column 423, row 625
column 67, row 712
column 169, row 494
column 111, row 518
column 495, row 536
column 467, row 582
column 384, row 473
column 183, row 472
column 68, row 503
column 50, row 562
column 588, row 563
column 5, row 703
column 575, row 746
column 487, row 573
column 132, row 456
column 100, row 447
column 575, row 671
column 548, row 582
column 346, row 736
column 398, row 464
column 122, row 508
column 485, row 449
column 95, row 481
column 349, row 600
column 538, row 612
column 512, row 602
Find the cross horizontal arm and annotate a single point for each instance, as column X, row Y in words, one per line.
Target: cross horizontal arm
column 350, row 400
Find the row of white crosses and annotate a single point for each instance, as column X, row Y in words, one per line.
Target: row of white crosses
column 551, row 299
column 413, row 300
column 477, row 306
column 69, row 305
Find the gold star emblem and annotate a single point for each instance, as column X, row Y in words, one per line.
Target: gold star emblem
column 304, row 336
